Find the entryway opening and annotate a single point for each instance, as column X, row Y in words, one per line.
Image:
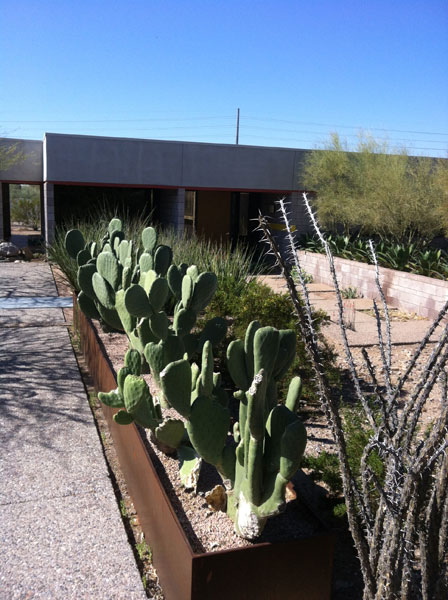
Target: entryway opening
column 25, row 207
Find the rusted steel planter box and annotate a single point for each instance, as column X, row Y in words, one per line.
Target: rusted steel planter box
column 298, row 569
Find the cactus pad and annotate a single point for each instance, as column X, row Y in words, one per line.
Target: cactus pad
column 149, row 239
column 74, row 242
column 109, row 268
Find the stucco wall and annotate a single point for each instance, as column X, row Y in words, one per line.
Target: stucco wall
column 120, row 161
column 424, row 296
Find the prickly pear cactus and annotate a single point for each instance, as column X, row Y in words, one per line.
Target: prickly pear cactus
column 267, row 444
column 163, row 342
column 100, row 272
column 197, row 395
column 269, row 452
column 74, row 242
column 263, row 348
column 129, row 290
column 136, row 404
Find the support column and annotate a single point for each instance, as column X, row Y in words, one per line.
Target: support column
column 171, row 208
column 42, row 210
column 1, row 212
column 5, row 212
column 49, row 212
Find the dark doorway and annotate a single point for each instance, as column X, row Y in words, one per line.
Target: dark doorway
column 74, row 202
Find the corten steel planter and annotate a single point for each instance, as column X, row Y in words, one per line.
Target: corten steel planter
column 298, row 569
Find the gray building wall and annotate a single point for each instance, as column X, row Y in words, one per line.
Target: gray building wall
column 120, row 161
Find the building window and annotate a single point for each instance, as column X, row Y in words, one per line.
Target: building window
column 190, row 208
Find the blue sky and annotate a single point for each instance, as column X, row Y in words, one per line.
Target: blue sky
column 298, row 70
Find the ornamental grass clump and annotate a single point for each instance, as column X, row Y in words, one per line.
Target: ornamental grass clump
column 93, row 227
column 397, row 503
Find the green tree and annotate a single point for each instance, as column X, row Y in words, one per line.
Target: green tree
column 25, row 205
column 441, row 182
column 376, row 189
column 10, row 154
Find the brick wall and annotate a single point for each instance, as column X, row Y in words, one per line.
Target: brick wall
column 415, row 293
column 49, row 212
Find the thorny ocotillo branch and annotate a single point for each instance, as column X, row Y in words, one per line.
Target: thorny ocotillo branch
column 399, row 523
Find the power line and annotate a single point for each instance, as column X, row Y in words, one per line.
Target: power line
column 255, row 127
column 346, row 126
column 297, row 140
column 117, row 120
column 230, row 117
column 183, row 127
column 348, row 134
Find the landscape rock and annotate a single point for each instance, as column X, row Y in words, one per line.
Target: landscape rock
column 8, row 250
column 27, row 253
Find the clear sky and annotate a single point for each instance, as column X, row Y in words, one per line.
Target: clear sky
column 298, row 70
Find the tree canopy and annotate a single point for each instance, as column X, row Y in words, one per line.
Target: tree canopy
column 377, row 190
column 25, row 205
column 10, row 154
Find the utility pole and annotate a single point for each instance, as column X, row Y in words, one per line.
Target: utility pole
column 237, row 125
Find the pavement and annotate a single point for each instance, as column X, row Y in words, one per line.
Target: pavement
column 61, row 533
column 362, row 328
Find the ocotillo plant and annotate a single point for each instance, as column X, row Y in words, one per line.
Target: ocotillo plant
column 399, row 524
column 268, row 441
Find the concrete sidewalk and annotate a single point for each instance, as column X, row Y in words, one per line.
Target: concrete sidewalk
column 61, row 532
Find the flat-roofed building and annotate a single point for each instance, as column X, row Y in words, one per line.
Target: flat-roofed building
column 216, row 190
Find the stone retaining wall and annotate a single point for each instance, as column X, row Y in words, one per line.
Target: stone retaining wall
column 415, row 293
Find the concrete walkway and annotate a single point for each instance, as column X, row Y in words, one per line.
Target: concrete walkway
column 61, row 534
column 363, row 329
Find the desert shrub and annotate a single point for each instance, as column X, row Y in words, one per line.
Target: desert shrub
column 441, row 182
column 326, row 467
column 234, row 267
column 350, row 292
column 307, row 277
column 377, row 190
column 25, row 205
